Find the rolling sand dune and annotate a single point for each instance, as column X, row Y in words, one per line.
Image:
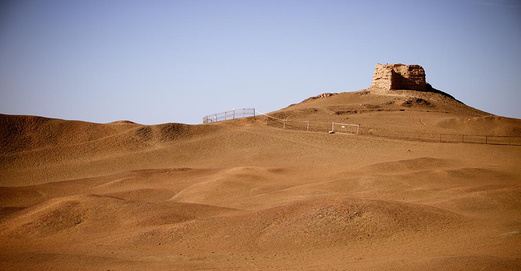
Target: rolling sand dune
column 241, row 195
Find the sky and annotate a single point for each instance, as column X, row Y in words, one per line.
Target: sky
column 176, row 61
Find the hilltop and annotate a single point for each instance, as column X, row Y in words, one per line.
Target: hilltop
column 396, row 104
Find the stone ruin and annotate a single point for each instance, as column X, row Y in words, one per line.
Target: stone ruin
column 388, row 77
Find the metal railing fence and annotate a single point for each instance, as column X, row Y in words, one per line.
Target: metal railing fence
column 230, row 115
column 323, row 126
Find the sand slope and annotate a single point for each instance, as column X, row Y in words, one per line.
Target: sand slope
column 404, row 111
column 241, row 195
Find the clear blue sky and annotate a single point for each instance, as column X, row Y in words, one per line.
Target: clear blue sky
column 175, row 61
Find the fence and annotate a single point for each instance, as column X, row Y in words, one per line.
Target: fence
column 311, row 126
column 345, row 128
column 230, row 115
column 442, row 138
column 318, row 126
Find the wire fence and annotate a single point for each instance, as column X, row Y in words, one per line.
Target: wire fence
column 319, row 126
column 230, row 115
column 329, row 127
column 442, row 138
column 311, row 126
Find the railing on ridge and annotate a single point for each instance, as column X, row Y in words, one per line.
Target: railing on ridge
column 322, row 126
column 230, row 115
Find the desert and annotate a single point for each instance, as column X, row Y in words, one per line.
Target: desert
column 425, row 183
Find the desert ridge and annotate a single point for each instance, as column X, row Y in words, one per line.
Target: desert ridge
column 243, row 195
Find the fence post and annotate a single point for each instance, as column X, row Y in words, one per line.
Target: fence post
column 307, row 126
column 253, row 113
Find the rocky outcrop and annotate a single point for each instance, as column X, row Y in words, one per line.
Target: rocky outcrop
column 320, row 96
column 388, row 77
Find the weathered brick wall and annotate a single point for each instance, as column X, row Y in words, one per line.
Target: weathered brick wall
column 388, row 77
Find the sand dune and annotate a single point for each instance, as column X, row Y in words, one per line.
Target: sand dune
column 241, row 195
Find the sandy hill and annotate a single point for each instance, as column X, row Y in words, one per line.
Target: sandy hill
column 401, row 111
column 241, row 195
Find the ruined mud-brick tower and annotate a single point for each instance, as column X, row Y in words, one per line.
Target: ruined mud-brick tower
column 389, row 77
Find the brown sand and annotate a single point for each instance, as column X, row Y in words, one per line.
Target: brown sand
column 243, row 196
